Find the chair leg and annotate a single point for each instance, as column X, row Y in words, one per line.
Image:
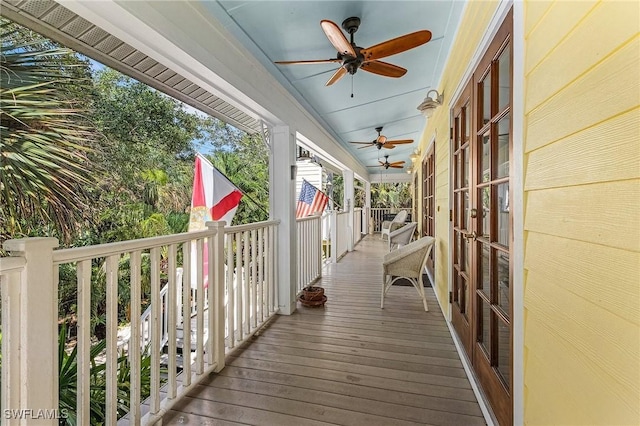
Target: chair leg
column 422, row 293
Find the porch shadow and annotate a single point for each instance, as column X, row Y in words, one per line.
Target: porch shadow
column 348, row 363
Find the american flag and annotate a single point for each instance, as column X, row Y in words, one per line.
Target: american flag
column 311, row 200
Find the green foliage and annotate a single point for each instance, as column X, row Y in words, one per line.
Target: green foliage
column 45, row 181
column 394, row 195
column 68, row 381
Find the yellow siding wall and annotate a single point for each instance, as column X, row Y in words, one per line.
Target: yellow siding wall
column 582, row 220
column 475, row 20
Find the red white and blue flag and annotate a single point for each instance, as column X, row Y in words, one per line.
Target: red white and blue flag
column 310, row 201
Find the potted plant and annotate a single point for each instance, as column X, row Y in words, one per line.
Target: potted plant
column 312, row 296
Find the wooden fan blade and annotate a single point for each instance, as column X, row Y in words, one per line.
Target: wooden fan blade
column 397, row 163
column 377, row 165
column 362, row 143
column 396, row 167
column 381, row 163
column 337, row 38
column 383, row 68
column 388, row 146
column 311, row 61
column 337, row 76
column 400, row 141
column 362, row 147
column 396, row 45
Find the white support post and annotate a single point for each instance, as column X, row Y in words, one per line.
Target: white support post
column 367, row 207
column 282, row 179
column 216, row 296
column 334, row 236
column 36, row 360
column 349, row 194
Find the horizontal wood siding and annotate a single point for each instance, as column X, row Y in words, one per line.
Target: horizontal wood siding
column 474, row 22
column 582, row 198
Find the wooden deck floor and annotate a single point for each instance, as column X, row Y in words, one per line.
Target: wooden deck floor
column 348, row 363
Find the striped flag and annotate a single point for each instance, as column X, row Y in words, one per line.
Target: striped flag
column 311, row 200
column 214, row 197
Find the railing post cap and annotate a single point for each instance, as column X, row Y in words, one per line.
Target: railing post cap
column 216, row 225
column 24, row 244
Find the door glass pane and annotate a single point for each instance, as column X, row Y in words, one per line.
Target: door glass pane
column 485, row 223
column 484, row 281
column 458, row 131
column 465, row 181
column 503, row 147
column 484, row 328
column 504, row 351
column 467, row 122
column 464, row 254
column 456, row 287
column 464, row 288
column 457, row 255
column 504, row 78
column 458, row 183
column 467, row 213
column 503, row 280
column 485, row 172
column 503, row 215
column 456, row 209
column 486, row 98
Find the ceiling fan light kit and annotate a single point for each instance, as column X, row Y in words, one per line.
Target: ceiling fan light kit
column 430, row 103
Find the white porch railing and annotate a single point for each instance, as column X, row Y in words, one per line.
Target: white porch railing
column 241, row 297
column 357, row 225
column 377, row 215
column 309, row 249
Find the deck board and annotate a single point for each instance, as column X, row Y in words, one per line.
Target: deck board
column 348, row 363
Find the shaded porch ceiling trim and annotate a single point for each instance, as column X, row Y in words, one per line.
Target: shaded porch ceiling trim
column 64, row 26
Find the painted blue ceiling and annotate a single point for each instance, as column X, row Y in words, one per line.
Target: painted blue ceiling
column 290, row 30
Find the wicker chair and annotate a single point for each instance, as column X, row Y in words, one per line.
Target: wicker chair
column 391, row 225
column 402, row 236
column 407, row 262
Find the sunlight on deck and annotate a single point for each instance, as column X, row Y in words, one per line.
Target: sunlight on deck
column 348, row 363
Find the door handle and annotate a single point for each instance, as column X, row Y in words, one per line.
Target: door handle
column 471, row 236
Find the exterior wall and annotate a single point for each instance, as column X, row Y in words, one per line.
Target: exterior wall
column 582, row 192
column 473, row 24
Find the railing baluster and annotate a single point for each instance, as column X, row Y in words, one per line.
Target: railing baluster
column 200, row 307
column 111, row 409
column 154, row 323
column 134, row 341
column 230, row 311
column 246, row 291
column 84, row 340
column 254, row 279
column 239, row 276
column 186, row 314
column 172, row 307
column 260, row 284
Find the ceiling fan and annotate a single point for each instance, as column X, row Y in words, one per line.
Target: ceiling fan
column 353, row 57
column 382, row 142
column 387, row 164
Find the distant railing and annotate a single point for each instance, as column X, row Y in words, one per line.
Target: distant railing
column 378, row 214
column 357, row 225
column 309, row 251
column 235, row 264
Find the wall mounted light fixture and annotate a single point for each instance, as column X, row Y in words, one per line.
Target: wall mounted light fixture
column 414, row 156
column 430, row 103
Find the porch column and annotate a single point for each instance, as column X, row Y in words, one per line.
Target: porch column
column 32, row 364
column 367, row 205
column 282, row 188
column 348, row 202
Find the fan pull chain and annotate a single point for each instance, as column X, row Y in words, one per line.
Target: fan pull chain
column 352, row 80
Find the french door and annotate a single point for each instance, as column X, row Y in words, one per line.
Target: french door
column 482, row 222
column 428, row 202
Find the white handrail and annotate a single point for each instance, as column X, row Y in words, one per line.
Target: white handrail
column 377, row 215
column 29, row 280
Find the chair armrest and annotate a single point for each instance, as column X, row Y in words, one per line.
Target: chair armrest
column 407, row 250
